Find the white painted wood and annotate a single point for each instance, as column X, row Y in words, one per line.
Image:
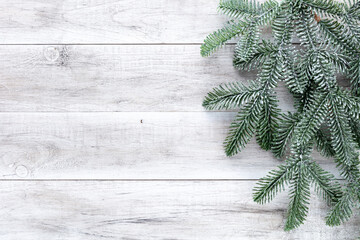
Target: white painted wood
column 159, row 129
column 127, row 145
column 114, row 78
column 153, row 210
column 108, row 21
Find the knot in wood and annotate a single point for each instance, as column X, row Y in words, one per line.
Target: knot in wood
column 51, row 54
column 21, row 171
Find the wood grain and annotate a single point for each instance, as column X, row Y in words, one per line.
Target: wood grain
column 107, row 21
column 114, row 78
column 153, row 210
column 102, row 133
column 127, row 145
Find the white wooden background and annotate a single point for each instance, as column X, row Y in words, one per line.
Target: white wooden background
column 102, row 133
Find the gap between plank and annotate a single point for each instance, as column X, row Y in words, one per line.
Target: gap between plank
column 110, row 44
column 66, row 112
column 131, row 180
column 120, row 44
column 127, row 180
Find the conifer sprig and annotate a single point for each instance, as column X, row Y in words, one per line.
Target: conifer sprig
column 326, row 117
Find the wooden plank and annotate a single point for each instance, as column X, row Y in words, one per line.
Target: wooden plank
column 153, row 210
column 114, row 78
column 128, row 145
column 108, row 21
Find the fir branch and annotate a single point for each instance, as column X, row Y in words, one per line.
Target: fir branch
column 306, row 29
column 322, row 71
column 283, row 25
column 353, row 9
column 271, row 72
column 351, row 104
column 243, row 127
column 295, row 74
column 323, row 143
column 270, row 9
column 352, row 27
column 269, row 76
column 311, row 120
column 285, row 128
column 260, row 53
column 341, row 136
column 240, row 8
column 342, row 211
column 325, row 183
column 217, row 39
column 338, row 35
column 231, row 96
column 355, row 128
column 355, row 76
column 325, row 7
column 325, row 115
column 220, row 37
column 246, row 46
column 339, row 61
column 299, row 198
column 268, row 118
column 274, row 182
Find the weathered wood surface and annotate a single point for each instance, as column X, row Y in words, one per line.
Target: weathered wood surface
column 102, row 133
column 107, row 21
column 127, row 145
column 114, row 78
column 141, row 210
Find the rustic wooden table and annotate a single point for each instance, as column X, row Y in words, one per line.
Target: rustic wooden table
column 102, row 133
